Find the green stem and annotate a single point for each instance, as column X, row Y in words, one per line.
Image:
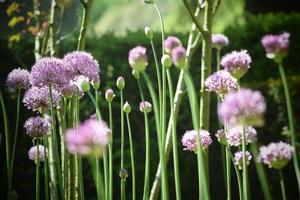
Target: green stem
column 85, row 18
column 228, row 173
column 282, row 185
column 106, row 180
column 46, row 171
column 245, row 167
column 238, row 176
column 291, row 122
column 161, row 26
column 110, row 152
column 122, row 145
column 131, row 158
column 123, row 194
column 218, row 55
column 37, row 179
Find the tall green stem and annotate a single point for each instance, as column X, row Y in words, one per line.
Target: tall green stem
column 37, row 179
column 228, row 173
column 282, row 185
column 291, row 122
column 122, row 145
column 46, row 171
column 110, row 152
column 245, row 167
column 238, row 176
column 84, row 23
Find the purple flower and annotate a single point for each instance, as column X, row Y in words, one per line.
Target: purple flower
column 33, row 153
column 37, row 127
column 219, row 41
column 221, row 136
column 137, row 58
column 89, row 139
column 83, row 63
column 38, row 99
column 48, row 71
column 221, row 82
column 276, row 46
column 68, row 90
column 145, row 106
column 189, row 139
column 236, row 63
column 276, row 155
column 18, row 79
column 234, row 135
column 245, row 107
column 171, row 43
column 238, row 158
column 178, row 57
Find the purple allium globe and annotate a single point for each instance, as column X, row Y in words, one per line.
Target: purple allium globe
column 276, row 46
column 48, row 71
column 244, row 107
column 37, row 127
column 189, row 139
column 234, row 135
column 221, row 82
column 83, row 63
column 38, row 99
column 236, row 63
column 238, row 159
column 221, row 136
column 219, row 41
column 179, row 56
column 68, row 90
column 171, row 43
column 145, row 106
column 18, row 79
column 89, row 139
column 276, row 155
column 33, row 153
column 137, row 58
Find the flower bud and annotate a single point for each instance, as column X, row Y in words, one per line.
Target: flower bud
column 123, row 173
column 120, row 83
column 136, row 74
column 148, row 33
column 166, row 61
column 138, row 59
column 127, row 108
column 145, row 106
column 109, row 95
column 179, row 56
column 96, row 84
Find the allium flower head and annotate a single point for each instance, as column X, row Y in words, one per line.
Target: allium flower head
column 38, row 99
column 179, row 56
column 221, row 82
column 137, row 58
column 109, row 95
column 276, row 46
column 189, row 139
column 82, row 83
column 18, row 79
column 33, row 153
column 234, row 135
column 171, row 43
column 245, row 107
column 48, row 71
column 89, row 139
column 37, row 127
column 68, row 90
column 219, row 40
column 236, row 63
column 145, row 106
column 238, row 159
column 221, row 136
column 276, row 155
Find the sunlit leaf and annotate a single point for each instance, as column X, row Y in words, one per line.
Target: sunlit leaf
column 14, row 7
column 15, row 38
column 15, row 20
column 30, row 14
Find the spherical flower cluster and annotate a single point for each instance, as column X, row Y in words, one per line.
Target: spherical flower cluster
column 236, row 63
column 37, row 127
column 276, row 155
column 33, row 153
column 145, row 106
column 234, row 135
column 171, row 43
column 68, row 90
column 238, row 159
column 245, row 107
column 38, row 99
column 221, row 136
column 189, row 139
column 18, row 79
column 89, row 139
column 83, row 63
column 48, row 71
column 179, row 56
column 137, row 58
column 276, row 46
column 219, row 41
column 221, row 82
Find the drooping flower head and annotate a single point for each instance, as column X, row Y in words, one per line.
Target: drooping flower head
column 276, row 46
column 276, row 155
column 219, row 41
column 179, row 56
column 48, row 71
column 244, row 107
column 89, row 139
column 171, row 43
column 189, row 139
column 38, row 99
column 18, row 79
column 238, row 159
column 37, row 127
column 236, row 63
column 145, row 106
column 81, row 63
column 234, row 135
column 33, row 153
column 137, row 58
column 221, row 82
